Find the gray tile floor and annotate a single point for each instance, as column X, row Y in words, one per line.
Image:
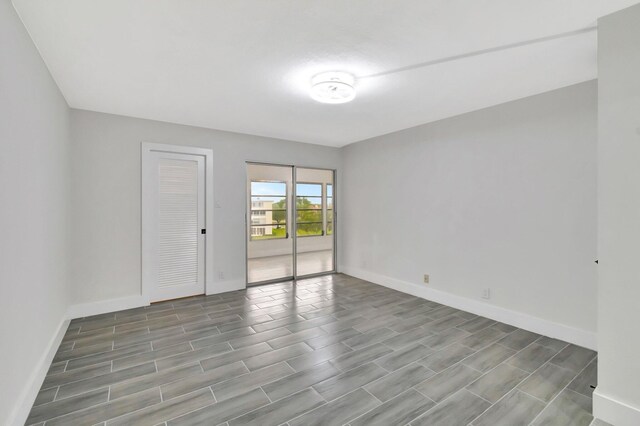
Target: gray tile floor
column 332, row 350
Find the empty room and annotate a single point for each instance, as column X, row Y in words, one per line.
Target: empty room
column 303, row 212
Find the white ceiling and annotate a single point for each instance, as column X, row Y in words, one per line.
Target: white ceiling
column 245, row 65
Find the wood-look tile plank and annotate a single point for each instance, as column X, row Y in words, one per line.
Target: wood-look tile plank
column 573, row 358
column 81, row 352
column 109, row 410
column 532, row 357
column 568, row 409
column 277, row 355
column 406, row 338
column 587, row 380
column 133, row 385
column 519, row 339
column 281, row 411
column 498, row 382
column 208, row 378
column 236, row 355
column 397, row 411
column 489, row 357
column 154, row 355
column 332, row 338
column 339, row 411
column 442, row 340
column 108, row 356
column 295, row 382
column 166, row 410
column 444, row 323
column 223, row 411
column 318, row 356
column 192, row 356
column 459, row 409
column 222, row 337
column 517, row 408
column 402, row 357
column 57, row 368
column 448, row 382
column 76, row 375
column 476, row 324
column 291, row 338
column 249, row 381
column 547, row 382
column 445, row 358
column 399, row 381
column 96, row 382
column 59, row 408
column 482, row 338
column 344, row 383
column 45, row 395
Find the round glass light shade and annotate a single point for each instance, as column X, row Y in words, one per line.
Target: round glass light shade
column 333, row 87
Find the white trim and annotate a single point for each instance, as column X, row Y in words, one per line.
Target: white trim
column 517, row 319
column 147, row 233
column 34, row 383
column 613, row 411
column 82, row 310
column 226, row 286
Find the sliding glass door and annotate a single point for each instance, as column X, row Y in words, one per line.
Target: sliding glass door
column 290, row 222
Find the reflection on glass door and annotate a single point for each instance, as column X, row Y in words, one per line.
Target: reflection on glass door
column 314, row 221
column 269, row 245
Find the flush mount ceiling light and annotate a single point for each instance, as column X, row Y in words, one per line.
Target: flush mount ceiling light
column 333, row 87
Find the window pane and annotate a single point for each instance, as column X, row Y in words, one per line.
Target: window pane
column 309, row 189
column 267, row 232
column 307, row 229
column 309, row 216
column 268, row 203
column 268, row 188
column 329, row 190
column 329, row 203
column 329, row 228
column 278, row 222
column 309, row 202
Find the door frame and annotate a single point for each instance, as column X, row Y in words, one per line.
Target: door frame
column 147, row 202
column 293, row 228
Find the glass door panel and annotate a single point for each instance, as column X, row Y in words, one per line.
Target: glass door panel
column 269, row 242
column 314, row 221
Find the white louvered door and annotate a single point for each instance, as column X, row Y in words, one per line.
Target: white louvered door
column 179, row 217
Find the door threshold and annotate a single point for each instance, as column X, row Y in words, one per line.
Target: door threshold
column 177, row 298
column 284, row 280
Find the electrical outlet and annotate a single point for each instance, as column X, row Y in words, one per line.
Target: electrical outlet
column 426, row 278
column 486, row 293
column 221, row 275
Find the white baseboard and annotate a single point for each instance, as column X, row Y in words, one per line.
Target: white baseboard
column 105, row 306
column 30, row 392
column 613, row 411
column 517, row 319
column 225, row 286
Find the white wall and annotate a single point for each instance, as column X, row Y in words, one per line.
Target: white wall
column 617, row 398
column 502, row 198
column 33, row 206
column 106, row 196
